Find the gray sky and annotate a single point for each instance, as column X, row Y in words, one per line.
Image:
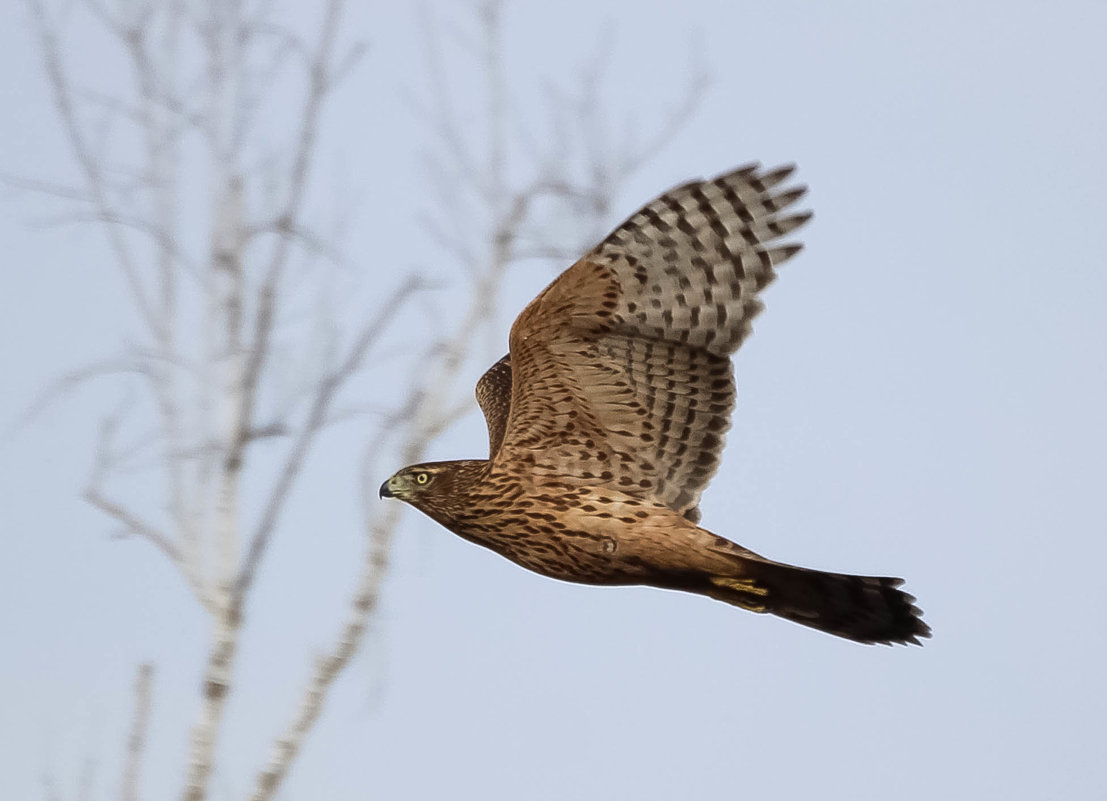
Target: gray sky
column 923, row 397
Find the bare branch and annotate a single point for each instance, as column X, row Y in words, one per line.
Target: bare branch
column 347, row 63
column 133, row 524
column 269, row 430
column 444, row 119
column 106, row 17
column 317, row 416
column 288, row 42
column 161, row 237
column 287, row 221
column 364, row 603
column 311, row 240
column 449, row 243
column 136, row 741
column 66, row 383
column 44, row 187
column 87, row 160
column 111, row 104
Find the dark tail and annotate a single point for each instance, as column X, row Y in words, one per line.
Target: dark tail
column 867, row 609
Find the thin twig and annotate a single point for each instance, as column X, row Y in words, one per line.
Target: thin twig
column 162, row 238
column 59, row 82
column 136, row 740
column 317, row 416
column 67, row 383
column 327, row 668
column 44, row 187
column 133, row 524
column 286, row 223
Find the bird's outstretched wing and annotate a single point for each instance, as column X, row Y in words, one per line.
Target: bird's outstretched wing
column 494, row 399
column 621, row 367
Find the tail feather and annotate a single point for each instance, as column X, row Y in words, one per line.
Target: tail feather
column 868, row 609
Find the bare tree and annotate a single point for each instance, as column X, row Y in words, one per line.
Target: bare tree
column 211, row 300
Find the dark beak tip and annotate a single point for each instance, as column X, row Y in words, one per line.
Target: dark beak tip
column 385, row 492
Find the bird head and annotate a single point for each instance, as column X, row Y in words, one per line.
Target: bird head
column 434, row 486
column 410, row 483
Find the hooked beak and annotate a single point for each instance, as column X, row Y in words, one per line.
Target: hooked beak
column 385, row 491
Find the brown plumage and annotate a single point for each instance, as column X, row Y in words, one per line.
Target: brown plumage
column 606, row 420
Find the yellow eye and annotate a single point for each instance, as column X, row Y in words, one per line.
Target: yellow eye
column 421, row 478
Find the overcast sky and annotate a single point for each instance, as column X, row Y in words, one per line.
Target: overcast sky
column 924, row 397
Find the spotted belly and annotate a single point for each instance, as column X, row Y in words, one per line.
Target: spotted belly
column 584, row 536
column 552, row 549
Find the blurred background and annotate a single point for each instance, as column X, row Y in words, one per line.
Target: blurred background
column 256, row 257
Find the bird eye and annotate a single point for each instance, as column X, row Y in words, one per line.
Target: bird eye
column 421, row 478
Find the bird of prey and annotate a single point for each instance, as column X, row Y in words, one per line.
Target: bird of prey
column 606, row 418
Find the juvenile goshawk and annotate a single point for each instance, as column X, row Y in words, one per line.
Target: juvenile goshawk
column 606, row 419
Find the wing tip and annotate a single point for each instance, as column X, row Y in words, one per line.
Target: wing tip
column 779, row 173
column 785, row 199
column 749, row 168
column 782, row 253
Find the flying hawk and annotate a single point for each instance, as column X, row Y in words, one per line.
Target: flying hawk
column 606, row 419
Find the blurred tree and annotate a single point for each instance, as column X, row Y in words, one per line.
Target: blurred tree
column 217, row 332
